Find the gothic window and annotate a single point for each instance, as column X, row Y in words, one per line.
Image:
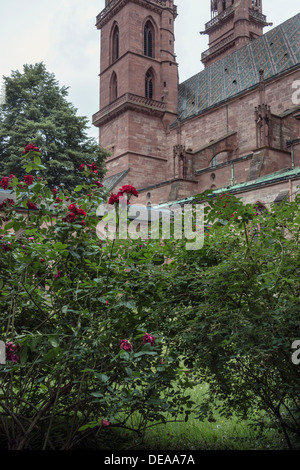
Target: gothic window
column 221, row 157
column 149, row 85
column 113, row 87
column 149, row 39
column 214, row 161
column 115, row 44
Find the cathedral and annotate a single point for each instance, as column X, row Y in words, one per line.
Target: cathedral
column 233, row 127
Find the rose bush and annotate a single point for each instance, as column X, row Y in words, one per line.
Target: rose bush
column 66, row 304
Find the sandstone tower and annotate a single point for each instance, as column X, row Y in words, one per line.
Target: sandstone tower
column 233, row 24
column 139, row 86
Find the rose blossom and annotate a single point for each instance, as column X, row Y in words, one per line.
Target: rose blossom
column 129, row 189
column 115, row 198
column 31, row 205
column 11, row 351
column 31, row 148
column 105, row 422
column 148, row 339
column 126, row 345
column 6, row 203
column 5, row 182
column 28, row 179
column 7, row 246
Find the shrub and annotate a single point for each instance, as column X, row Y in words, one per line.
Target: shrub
column 81, row 358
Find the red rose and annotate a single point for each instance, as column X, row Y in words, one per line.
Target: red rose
column 54, row 191
column 125, row 344
column 7, row 246
column 28, row 179
column 92, row 166
column 31, row 148
column 11, row 350
column 80, row 212
column 129, row 189
column 5, row 182
column 6, row 203
column 71, row 217
column 148, row 339
column 31, row 205
column 99, row 184
column 81, row 167
column 115, row 198
column 58, row 274
column 105, row 422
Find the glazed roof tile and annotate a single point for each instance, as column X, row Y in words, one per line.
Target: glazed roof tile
column 275, row 52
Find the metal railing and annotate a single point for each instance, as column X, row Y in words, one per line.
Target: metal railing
column 220, row 17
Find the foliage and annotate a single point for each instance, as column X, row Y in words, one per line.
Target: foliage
column 66, row 310
column 232, row 310
column 112, row 335
column 36, row 110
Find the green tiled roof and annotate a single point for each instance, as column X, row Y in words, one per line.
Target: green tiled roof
column 113, row 180
column 275, row 52
column 271, row 178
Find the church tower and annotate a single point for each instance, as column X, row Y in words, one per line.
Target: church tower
column 138, row 87
column 233, row 24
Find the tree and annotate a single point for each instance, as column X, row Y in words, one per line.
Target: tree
column 36, row 111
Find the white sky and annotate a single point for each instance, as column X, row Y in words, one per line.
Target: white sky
column 62, row 34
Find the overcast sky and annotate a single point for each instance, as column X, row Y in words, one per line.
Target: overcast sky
column 62, row 34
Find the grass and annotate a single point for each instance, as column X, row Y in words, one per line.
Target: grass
column 217, row 433
column 220, row 434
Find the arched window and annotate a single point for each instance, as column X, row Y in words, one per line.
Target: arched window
column 214, row 161
column 115, row 44
column 149, row 88
column 149, row 39
column 221, row 157
column 113, row 87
